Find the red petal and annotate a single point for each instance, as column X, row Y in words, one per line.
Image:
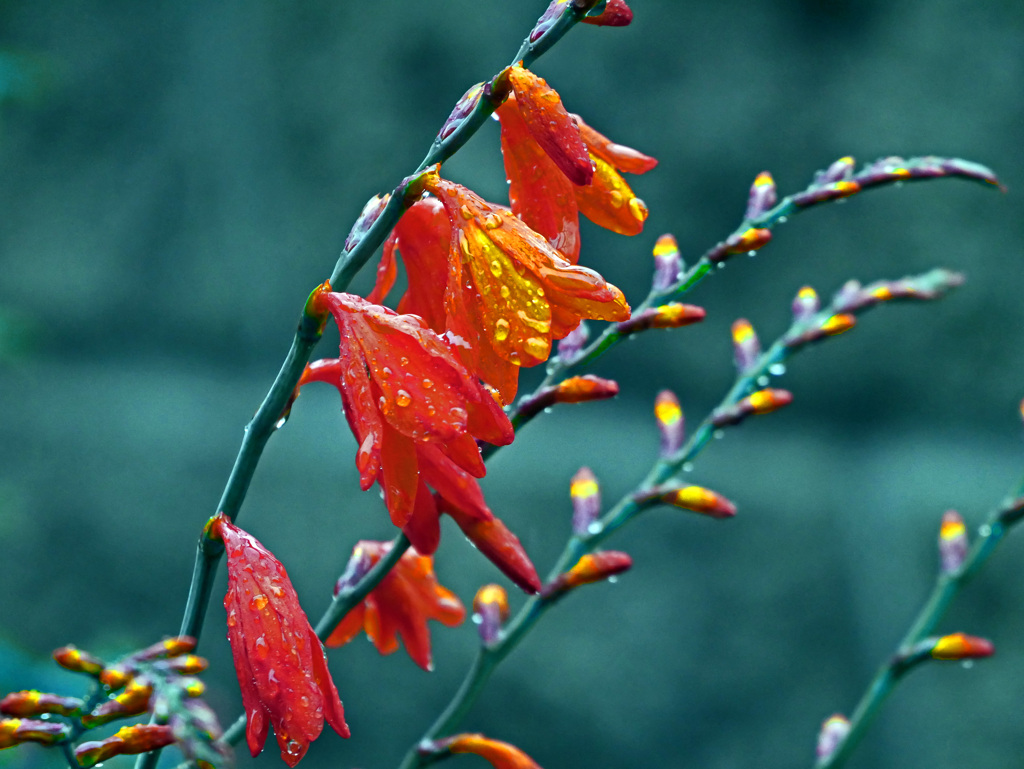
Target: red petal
column 387, row 272
column 348, row 628
column 502, row 548
column 424, row 527
column 549, row 123
column 539, row 193
column 459, row 493
column 615, row 14
column 380, row 627
column 399, row 475
column 423, row 235
column 333, row 711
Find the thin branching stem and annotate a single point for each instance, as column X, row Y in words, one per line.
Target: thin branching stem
column 947, row 587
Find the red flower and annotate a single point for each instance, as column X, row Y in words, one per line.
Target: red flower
column 547, row 198
column 400, row 605
column 415, row 411
column 509, row 293
column 281, row 667
column 501, row 755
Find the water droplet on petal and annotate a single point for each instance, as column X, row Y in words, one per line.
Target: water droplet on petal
column 492, row 221
column 505, row 292
column 615, row 198
column 501, row 329
column 466, row 211
column 537, row 347
column 402, row 398
column 458, row 414
column 495, row 266
column 540, row 291
column 258, row 602
column 638, row 208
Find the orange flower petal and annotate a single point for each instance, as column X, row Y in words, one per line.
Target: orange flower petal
column 617, row 155
column 501, row 755
column 609, row 202
column 551, row 126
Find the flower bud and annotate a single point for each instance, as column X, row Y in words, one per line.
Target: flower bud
column 129, row 740
column 668, row 264
column 359, row 564
column 371, row 212
column 805, row 305
column 743, row 242
column 671, row 423
column 825, row 192
column 839, row 323
column 78, row 661
column 35, row 703
column 746, row 347
column 839, row 171
column 586, row 501
column 833, row 731
column 131, row 702
column 14, row 731
column 699, row 500
column 760, row 402
column 762, row 196
column 953, row 542
column 615, row 14
column 580, row 389
column 592, row 567
column 570, row 346
column 960, row 646
column 463, row 108
column 490, row 611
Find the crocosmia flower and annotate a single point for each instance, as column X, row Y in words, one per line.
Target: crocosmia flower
column 407, row 398
column 550, row 201
column 400, row 605
column 281, row 667
column 509, row 292
column 499, row 754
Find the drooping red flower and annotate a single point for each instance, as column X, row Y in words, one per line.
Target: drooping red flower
column 416, row 411
column 281, row 667
column 509, row 293
column 542, row 194
column 400, row 605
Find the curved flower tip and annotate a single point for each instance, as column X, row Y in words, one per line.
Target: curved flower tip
column 405, row 392
column 501, row 755
column 510, row 293
column 960, row 646
column 281, row 667
column 699, row 500
column 400, row 605
column 615, row 14
column 550, row 125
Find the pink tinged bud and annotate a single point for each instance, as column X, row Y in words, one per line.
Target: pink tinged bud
column 586, row 501
column 358, row 566
column 671, row 315
column 490, row 611
column 833, row 731
column 592, row 567
column 668, row 263
column 463, row 108
column 15, row 731
column 570, row 347
column 763, row 196
column 960, row 646
column 739, row 243
column 745, row 345
column 370, row 213
column 671, row 423
column 35, row 703
column 953, row 543
column 699, row 500
column 806, row 305
column 848, row 297
column 825, row 192
column 839, row 171
column 131, row 702
column 547, row 19
column 760, row 402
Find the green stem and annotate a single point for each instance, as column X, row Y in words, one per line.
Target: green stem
column 946, row 588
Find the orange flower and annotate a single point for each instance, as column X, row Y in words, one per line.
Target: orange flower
column 406, row 396
column 281, row 667
column 542, row 194
column 400, row 605
column 509, row 293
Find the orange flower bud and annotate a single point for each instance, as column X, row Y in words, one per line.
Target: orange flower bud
column 594, row 567
column 745, row 345
column 760, row 402
column 14, row 731
column 838, row 324
column 131, row 702
column 806, row 304
column 831, row 191
column 959, row 646
column 672, row 315
column 699, row 500
column 744, row 242
column 34, row 703
column 580, row 389
column 762, row 196
column 668, row 264
column 129, row 740
column 78, row 661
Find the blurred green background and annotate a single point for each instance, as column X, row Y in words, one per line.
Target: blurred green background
column 176, row 177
